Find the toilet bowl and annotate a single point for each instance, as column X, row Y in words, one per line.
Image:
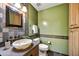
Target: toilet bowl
column 43, row 48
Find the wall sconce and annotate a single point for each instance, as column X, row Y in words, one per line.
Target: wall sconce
column 24, row 9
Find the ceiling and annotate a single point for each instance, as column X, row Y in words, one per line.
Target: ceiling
column 42, row 6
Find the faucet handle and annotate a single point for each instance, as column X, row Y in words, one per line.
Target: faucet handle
column 10, row 37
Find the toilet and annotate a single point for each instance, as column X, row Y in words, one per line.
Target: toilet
column 43, row 48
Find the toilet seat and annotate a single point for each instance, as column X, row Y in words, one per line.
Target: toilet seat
column 43, row 47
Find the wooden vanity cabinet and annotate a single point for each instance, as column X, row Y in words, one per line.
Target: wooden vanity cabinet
column 74, row 29
column 74, row 42
column 33, row 52
column 73, row 15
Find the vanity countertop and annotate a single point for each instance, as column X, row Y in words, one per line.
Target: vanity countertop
column 10, row 52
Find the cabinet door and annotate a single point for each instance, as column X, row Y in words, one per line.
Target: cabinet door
column 33, row 52
column 77, row 16
column 74, row 42
column 73, row 15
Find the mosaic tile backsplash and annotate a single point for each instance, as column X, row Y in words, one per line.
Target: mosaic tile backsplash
column 7, row 32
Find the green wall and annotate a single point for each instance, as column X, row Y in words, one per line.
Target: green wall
column 57, row 24
column 33, row 17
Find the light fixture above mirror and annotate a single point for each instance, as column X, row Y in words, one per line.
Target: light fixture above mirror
column 17, row 5
column 21, row 7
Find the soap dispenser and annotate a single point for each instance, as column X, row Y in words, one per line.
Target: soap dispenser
column 7, row 44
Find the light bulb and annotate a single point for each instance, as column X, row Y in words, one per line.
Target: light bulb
column 24, row 9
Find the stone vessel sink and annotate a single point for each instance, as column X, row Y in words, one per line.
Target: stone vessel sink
column 22, row 43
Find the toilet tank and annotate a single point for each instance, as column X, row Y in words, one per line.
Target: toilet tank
column 36, row 40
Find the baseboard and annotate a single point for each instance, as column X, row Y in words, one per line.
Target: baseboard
column 53, row 53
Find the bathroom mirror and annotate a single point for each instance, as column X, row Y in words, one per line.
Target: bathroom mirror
column 13, row 18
